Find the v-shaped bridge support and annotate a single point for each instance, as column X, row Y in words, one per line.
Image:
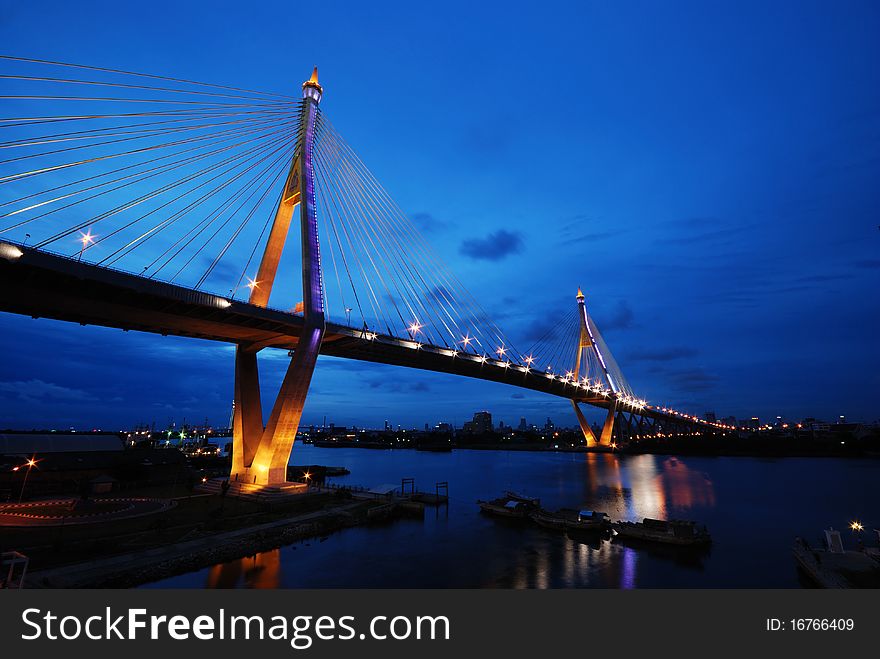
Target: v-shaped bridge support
column 260, row 454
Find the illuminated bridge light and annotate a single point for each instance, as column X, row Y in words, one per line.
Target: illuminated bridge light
column 454, row 353
column 86, row 238
column 252, row 283
column 466, row 340
column 415, row 327
column 484, row 359
column 501, row 351
column 10, row 252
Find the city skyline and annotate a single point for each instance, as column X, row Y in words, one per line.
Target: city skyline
column 700, row 231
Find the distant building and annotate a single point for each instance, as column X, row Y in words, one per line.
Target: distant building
column 710, row 417
column 481, row 423
column 522, row 424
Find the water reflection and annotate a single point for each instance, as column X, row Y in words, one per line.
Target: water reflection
column 634, row 487
column 458, row 547
column 686, row 488
column 262, row 570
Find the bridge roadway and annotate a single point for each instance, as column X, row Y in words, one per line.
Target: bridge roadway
column 45, row 285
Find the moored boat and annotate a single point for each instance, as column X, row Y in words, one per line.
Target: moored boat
column 510, row 505
column 567, row 519
column 675, row 531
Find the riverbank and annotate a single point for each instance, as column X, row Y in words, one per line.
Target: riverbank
column 192, row 553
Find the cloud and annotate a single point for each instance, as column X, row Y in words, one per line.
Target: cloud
column 821, row 278
column 693, row 380
column 518, row 395
column 542, row 326
column 33, row 390
column 494, row 247
column 396, row 385
column 428, row 223
column 599, row 235
column 662, row 354
column 576, row 230
column 489, row 137
column 621, row 319
column 691, row 230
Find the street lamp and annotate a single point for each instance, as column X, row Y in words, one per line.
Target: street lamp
column 85, row 240
column 31, row 463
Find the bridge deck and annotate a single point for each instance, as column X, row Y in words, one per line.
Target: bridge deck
column 41, row 284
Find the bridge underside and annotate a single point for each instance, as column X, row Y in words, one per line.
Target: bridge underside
column 44, row 285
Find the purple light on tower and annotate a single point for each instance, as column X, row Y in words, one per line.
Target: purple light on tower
column 313, row 286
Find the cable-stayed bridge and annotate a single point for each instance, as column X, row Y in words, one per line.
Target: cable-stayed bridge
column 165, row 205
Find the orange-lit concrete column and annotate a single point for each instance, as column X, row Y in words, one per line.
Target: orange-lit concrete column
column 262, row 285
column 608, row 428
column 589, row 437
column 247, row 420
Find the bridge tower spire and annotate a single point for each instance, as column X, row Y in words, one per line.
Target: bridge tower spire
column 587, row 342
column 261, row 454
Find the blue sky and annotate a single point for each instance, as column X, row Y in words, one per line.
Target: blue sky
column 706, row 172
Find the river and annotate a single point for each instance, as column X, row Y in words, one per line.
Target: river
column 753, row 507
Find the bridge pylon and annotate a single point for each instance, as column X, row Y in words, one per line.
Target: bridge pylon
column 587, row 342
column 260, row 453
